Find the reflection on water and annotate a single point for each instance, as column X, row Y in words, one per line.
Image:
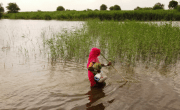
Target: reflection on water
column 29, row 81
column 94, row 94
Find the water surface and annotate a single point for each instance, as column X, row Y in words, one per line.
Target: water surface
column 30, row 81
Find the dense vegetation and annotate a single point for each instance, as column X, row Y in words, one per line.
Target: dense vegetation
column 128, row 41
column 172, row 4
column 60, row 8
column 1, row 10
column 139, row 15
column 0, row 15
column 13, row 8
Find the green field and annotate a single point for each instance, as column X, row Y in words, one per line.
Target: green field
column 128, row 41
column 139, row 15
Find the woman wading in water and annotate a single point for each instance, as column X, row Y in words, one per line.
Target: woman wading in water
column 96, row 78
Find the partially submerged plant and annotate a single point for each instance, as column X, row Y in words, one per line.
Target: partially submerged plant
column 128, row 41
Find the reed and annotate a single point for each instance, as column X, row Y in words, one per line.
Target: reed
column 128, row 41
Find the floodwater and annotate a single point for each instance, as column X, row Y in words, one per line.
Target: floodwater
column 30, row 81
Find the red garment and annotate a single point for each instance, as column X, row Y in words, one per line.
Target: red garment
column 94, row 53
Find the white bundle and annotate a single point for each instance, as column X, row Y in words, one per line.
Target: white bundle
column 100, row 77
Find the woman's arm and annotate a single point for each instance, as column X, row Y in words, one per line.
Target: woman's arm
column 90, row 68
column 94, row 70
column 104, row 65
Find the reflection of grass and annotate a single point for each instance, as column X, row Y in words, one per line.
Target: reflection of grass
column 128, row 41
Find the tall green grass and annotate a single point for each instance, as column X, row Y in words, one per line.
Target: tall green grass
column 69, row 45
column 1, row 15
column 128, row 41
column 140, row 15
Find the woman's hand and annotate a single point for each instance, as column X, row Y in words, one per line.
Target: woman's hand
column 102, row 65
column 99, row 71
column 109, row 63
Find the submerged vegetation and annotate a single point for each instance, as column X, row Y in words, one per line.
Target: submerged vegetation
column 128, row 41
column 139, row 15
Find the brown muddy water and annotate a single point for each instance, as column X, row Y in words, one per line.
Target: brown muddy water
column 30, row 81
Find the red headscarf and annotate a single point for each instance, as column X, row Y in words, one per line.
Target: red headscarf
column 94, row 53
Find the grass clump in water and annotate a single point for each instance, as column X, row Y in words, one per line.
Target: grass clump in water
column 128, row 41
column 69, row 45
